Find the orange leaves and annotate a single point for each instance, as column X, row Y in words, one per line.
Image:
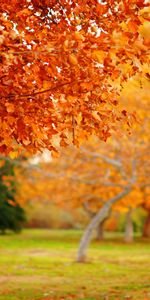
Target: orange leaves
column 58, row 64
column 132, row 26
column 10, row 107
column 101, row 8
column 86, row 86
column 79, row 118
column 50, row 47
column 26, row 142
column 66, row 45
column 55, row 154
column 24, row 13
column 145, row 30
column 63, row 142
column 96, row 115
column 99, row 55
column 46, row 84
column 73, row 59
column 120, row 39
column 78, row 36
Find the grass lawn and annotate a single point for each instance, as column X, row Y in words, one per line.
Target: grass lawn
column 40, row 264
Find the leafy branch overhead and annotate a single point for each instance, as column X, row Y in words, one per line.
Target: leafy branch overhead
column 62, row 66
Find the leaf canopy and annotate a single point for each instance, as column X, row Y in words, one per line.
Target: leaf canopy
column 59, row 61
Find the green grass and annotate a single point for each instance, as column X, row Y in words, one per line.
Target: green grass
column 40, row 264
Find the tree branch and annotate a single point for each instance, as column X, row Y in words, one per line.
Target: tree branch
column 108, row 160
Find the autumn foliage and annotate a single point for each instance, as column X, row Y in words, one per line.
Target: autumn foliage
column 59, row 64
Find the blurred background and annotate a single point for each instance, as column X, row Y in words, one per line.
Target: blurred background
column 67, row 191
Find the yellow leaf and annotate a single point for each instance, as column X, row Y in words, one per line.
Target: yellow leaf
column 99, row 55
column 79, row 118
column 95, row 115
column 50, row 47
column 66, row 45
column 145, row 30
column 55, row 154
column 13, row 154
column 26, row 142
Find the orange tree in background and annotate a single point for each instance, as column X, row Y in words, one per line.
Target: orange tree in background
column 58, row 61
column 146, row 205
column 99, row 178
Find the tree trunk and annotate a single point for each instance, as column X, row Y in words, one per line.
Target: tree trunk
column 129, row 231
column 98, row 218
column 100, row 230
column 146, row 228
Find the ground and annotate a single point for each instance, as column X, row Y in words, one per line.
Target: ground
column 40, row 265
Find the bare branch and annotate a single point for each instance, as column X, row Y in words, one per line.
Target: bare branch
column 87, row 209
column 112, row 161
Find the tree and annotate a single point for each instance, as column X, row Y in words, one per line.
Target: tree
column 59, row 61
column 129, row 227
column 100, row 178
column 12, row 215
column 146, row 206
column 146, row 229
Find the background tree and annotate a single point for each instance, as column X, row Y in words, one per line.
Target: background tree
column 12, row 215
column 94, row 178
column 146, row 206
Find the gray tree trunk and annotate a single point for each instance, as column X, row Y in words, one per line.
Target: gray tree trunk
column 146, row 228
column 129, row 230
column 100, row 231
column 101, row 215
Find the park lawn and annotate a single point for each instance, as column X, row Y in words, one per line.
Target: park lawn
column 40, row 264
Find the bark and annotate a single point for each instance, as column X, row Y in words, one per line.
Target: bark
column 146, row 228
column 101, row 215
column 129, row 230
column 100, row 230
